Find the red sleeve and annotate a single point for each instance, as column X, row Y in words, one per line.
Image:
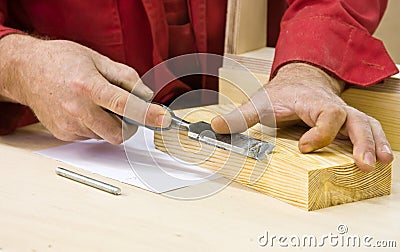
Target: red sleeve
column 336, row 36
column 12, row 115
column 3, row 18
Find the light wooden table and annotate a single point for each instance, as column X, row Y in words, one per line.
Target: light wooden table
column 40, row 211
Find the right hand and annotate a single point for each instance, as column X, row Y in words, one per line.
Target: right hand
column 69, row 86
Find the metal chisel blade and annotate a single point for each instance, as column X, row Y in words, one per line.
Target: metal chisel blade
column 237, row 143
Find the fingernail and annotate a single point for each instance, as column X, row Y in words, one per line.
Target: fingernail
column 219, row 125
column 149, row 91
column 149, row 94
column 386, row 149
column 305, row 148
column 369, row 159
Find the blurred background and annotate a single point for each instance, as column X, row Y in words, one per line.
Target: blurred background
column 389, row 30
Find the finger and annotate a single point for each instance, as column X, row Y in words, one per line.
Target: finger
column 77, row 138
column 88, row 134
column 66, row 136
column 122, row 102
column 123, row 76
column 128, row 130
column 360, row 134
column 256, row 109
column 327, row 124
column 69, row 137
column 104, row 125
column 382, row 146
column 238, row 120
column 341, row 136
column 145, row 113
column 83, row 132
column 72, row 129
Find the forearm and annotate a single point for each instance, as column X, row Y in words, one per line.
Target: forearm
column 15, row 52
column 301, row 72
column 14, row 49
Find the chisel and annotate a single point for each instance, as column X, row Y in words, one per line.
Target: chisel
column 202, row 131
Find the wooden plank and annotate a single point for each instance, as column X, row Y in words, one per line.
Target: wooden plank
column 36, row 203
column 310, row 181
column 383, row 106
column 244, row 30
column 233, row 85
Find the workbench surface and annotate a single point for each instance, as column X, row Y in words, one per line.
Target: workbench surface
column 40, row 211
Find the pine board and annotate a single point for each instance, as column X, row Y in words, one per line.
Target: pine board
column 383, row 106
column 313, row 181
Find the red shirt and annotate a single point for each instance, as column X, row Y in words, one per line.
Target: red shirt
column 334, row 35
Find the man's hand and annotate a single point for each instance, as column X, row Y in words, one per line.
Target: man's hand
column 69, row 86
column 301, row 92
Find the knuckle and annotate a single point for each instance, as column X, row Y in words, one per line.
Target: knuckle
column 360, row 119
column 324, row 138
column 73, row 109
column 336, row 111
column 382, row 140
column 79, row 86
column 118, row 102
column 374, row 122
column 129, row 74
column 96, row 92
column 367, row 142
column 360, row 114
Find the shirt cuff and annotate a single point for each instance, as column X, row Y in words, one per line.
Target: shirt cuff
column 4, row 31
column 12, row 116
column 345, row 51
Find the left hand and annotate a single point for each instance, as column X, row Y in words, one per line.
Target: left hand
column 301, row 92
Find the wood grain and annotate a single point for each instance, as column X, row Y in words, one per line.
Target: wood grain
column 383, row 105
column 42, row 212
column 325, row 178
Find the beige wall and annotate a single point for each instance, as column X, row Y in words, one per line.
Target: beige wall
column 389, row 30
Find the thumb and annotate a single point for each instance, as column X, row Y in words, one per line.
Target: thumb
column 145, row 113
column 257, row 109
column 123, row 76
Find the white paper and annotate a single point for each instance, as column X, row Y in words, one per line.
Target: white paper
column 146, row 167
